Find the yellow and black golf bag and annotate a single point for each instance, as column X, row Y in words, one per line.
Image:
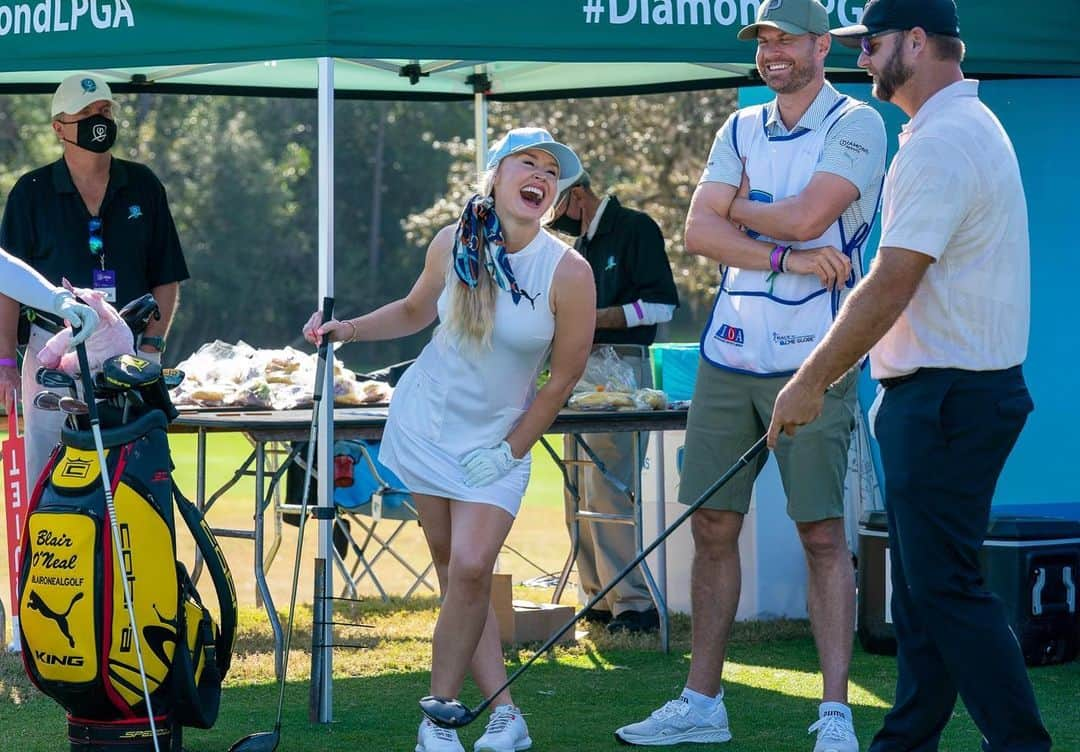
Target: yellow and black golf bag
column 76, row 629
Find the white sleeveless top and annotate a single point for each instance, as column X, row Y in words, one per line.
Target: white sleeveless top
column 454, row 399
column 763, row 323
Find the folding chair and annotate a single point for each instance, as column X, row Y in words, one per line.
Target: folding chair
column 376, row 502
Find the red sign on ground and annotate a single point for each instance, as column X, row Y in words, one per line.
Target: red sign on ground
column 16, row 496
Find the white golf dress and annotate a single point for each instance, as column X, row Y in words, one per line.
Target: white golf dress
column 453, row 399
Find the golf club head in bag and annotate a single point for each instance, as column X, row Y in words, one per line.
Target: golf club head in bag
column 452, row 713
column 137, row 313
column 267, row 741
column 48, row 401
column 54, row 378
column 140, row 379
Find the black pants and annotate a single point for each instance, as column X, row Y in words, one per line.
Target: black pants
column 944, row 437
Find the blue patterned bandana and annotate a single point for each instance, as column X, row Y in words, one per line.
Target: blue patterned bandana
column 480, row 224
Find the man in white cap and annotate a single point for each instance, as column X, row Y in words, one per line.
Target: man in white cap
column 785, row 205
column 102, row 223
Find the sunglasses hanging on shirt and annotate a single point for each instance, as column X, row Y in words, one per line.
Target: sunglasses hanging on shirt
column 104, row 279
column 97, row 245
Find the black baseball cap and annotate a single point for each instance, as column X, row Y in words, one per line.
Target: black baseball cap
column 933, row 16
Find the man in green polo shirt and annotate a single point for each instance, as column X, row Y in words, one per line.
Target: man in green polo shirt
column 101, row 222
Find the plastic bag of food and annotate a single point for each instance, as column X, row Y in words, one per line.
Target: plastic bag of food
column 650, row 399
column 606, row 371
column 604, row 400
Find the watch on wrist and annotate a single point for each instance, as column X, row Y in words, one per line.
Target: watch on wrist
column 156, row 342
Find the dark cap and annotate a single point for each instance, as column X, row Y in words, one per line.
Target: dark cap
column 933, row 16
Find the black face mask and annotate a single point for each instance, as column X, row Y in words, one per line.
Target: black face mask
column 96, row 133
column 566, row 225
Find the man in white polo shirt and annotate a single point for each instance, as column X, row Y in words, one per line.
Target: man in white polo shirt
column 784, row 205
column 945, row 310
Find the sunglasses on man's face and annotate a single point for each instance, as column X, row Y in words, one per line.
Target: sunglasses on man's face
column 868, row 47
column 96, row 243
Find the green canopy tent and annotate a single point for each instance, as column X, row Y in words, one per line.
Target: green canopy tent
column 660, row 42
column 433, row 49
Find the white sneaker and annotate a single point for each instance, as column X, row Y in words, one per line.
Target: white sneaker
column 677, row 722
column 432, row 738
column 506, row 732
column 835, row 732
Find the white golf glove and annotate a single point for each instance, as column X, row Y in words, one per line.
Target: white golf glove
column 82, row 316
column 485, row 466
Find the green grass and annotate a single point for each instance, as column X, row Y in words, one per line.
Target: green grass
column 573, row 700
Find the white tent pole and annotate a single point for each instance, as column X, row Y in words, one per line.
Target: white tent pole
column 480, row 119
column 323, row 699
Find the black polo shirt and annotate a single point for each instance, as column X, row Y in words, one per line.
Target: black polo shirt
column 46, row 224
column 629, row 263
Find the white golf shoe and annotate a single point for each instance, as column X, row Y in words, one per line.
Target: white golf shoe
column 506, row 732
column 432, row 738
column 677, row 722
column 835, row 732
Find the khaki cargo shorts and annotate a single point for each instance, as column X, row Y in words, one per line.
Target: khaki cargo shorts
column 730, row 411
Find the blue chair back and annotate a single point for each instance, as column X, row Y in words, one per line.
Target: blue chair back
column 368, row 477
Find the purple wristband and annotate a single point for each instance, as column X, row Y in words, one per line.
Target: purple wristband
column 8, row 363
column 774, row 258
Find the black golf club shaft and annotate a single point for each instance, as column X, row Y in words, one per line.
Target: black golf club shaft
column 316, row 398
column 268, row 741
column 431, row 705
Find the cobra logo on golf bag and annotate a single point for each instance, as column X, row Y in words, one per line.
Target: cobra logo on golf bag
column 76, row 630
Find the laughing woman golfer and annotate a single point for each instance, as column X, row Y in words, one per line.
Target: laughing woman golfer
column 466, row 413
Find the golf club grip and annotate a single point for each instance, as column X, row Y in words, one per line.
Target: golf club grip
column 698, row 503
column 86, row 378
column 320, row 370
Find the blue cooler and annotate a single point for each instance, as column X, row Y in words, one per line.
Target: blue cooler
column 675, row 368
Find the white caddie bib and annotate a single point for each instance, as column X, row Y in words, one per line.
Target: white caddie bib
column 765, row 323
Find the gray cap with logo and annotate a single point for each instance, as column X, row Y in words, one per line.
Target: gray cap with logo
column 790, row 16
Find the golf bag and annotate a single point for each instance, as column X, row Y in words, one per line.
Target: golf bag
column 76, row 630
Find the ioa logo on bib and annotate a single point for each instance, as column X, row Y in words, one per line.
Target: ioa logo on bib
column 732, row 335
